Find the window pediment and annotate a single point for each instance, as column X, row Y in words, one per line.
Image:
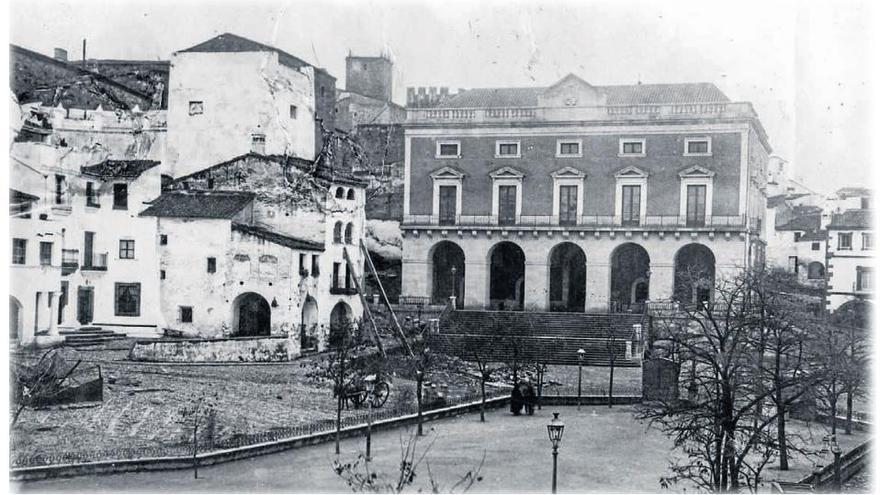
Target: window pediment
column 631, row 172
column 696, row 172
column 447, row 173
column 568, row 173
column 507, row 173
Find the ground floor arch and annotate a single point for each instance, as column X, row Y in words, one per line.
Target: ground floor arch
column 252, row 315
column 694, row 274
column 309, row 323
column 816, row 271
column 630, row 272
column 15, row 313
column 447, row 272
column 341, row 320
column 568, row 278
column 507, row 270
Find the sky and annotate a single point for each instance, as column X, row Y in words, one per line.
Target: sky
column 806, row 66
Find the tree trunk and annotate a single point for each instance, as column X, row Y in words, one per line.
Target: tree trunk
column 540, row 385
column 833, row 404
column 483, row 400
column 780, row 432
column 419, row 402
column 338, row 420
column 611, row 384
column 849, row 411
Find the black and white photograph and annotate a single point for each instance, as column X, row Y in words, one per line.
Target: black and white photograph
column 423, row 246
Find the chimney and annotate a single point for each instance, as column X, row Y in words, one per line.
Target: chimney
column 432, row 96
column 84, row 54
column 61, row 54
column 410, row 96
column 444, row 93
column 422, row 97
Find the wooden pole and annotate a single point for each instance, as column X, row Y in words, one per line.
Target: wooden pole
column 357, row 287
column 399, row 330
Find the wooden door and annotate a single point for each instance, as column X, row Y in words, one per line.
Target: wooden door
column 85, row 305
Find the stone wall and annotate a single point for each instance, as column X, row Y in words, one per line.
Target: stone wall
column 248, row 350
column 660, row 379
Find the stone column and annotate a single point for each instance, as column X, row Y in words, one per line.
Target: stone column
column 476, row 285
column 537, row 292
column 53, row 313
column 660, row 287
column 598, row 286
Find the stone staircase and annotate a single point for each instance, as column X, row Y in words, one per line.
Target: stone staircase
column 553, row 338
column 89, row 336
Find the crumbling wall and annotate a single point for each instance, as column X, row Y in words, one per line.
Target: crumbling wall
column 248, row 350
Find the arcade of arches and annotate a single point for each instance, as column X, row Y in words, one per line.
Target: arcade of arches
column 567, row 276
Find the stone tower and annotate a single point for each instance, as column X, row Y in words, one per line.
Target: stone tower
column 369, row 76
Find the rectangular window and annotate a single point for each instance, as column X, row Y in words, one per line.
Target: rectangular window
column 634, row 147
column 864, row 279
column 797, row 236
column 448, row 204
column 186, row 314
column 507, row 149
column 303, row 269
column 212, row 265
column 126, row 249
column 196, row 107
column 793, row 264
column 163, row 239
column 19, row 251
column 348, row 280
column 46, row 253
column 816, row 246
column 696, row 205
column 336, row 268
column 844, row 241
column 631, row 207
column 866, row 203
column 448, row 149
column 568, row 148
column 258, row 143
column 315, row 270
column 92, row 195
column 59, row 189
column 128, row 299
column 697, row 147
column 161, row 274
column 506, row 205
column 867, row 241
column 293, row 111
column 568, row 205
column 120, row 196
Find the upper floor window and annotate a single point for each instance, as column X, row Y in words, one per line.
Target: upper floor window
column 126, row 249
column 46, row 253
column 448, row 149
column 163, row 239
column 293, row 111
column 632, row 147
column 212, row 265
column 120, row 196
column 797, row 236
column 196, row 107
column 303, row 269
column 507, row 149
column 19, row 251
column 60, row 189
column 816, row 246
column 864, row 279
column 866, row 203
column 844, row 241
column 349, row 234
column 340, row 193
column 867, row 241
column 337, row 233
column 568, row 148
column 186, row 314
column 350, row 194
column 92, row 195
column 697, row 147
column 315, row 270
column 258, row 142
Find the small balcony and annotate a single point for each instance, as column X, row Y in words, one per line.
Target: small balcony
column 586, row 222
column 98, row 263
column 69, row 261
column 343, row 291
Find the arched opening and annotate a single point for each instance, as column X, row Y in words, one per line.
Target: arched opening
column 309, row 327
column 630, row 270
column 815, row 271
column 447, row 273
column 568, row 278
column 350, row 194
column 251, row 316
column 507, row 269
column 694, row 274
column 349, row 234
column 340, row 193
column 337, row 233
column 341, row 322
column 14, row 318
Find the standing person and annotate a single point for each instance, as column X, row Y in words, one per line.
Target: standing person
column 516, row 400
column 529, row 397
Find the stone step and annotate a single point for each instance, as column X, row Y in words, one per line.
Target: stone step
column 96, row 331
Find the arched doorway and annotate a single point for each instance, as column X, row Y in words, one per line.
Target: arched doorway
column 568, row 278
column 341, row 321
column 630, row 269
column 251, row 316
column 815, row 271
column 694, row 274
column 309, row 324
column 447, row 273
column 507, row 269
column 14, row 319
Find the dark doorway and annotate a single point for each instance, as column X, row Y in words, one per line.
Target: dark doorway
column 506, row 205
column 507, row 268
column 694, row 274
column 252, row 315
column 568, row 278
column 341, row 322
column 14, row 318
column 447, row 273
column 85, row 305
column 630, row 265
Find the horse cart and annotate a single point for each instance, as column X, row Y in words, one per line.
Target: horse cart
column 357, row 392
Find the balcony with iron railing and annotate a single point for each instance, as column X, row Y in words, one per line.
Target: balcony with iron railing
column 69, row 261
column 585, row 222
column 97, row 262
column 677, row 111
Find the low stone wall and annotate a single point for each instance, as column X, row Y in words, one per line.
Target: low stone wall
column 235, row 350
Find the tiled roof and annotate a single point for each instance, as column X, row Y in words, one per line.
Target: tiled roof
column 807, row 222
column 119, row 169
column 198, row 204
column 228, row 42
column 774, row 201
column 851, row 192
column 16, row 196
column 816, row 235
column 851, row 219
column 278, row 238
column 637, row 94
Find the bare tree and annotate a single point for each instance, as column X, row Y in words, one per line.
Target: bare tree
column 423, row 361
column 611, row 350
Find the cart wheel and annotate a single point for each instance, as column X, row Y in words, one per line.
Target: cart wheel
column 358, row 398
column 380, row 394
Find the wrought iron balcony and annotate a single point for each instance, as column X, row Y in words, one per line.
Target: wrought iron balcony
column 586, row 222
column 69, row 261
column 97, row 263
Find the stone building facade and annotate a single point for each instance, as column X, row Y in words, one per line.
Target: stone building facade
column 851, row 264
column 578, row 197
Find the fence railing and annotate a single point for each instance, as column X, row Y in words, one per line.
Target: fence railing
column 589, row 221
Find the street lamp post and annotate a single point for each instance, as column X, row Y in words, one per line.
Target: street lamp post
column 554, row 430
column 581, row 356
column 370, row 384
column 454, row 295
